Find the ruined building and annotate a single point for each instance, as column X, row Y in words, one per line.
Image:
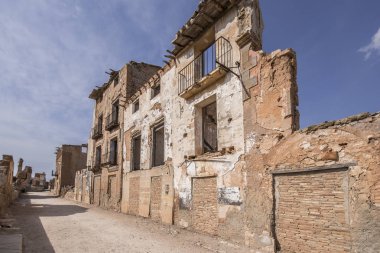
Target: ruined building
column 6, row 180
column 39, row 181
column 69, row 160
column 23, row 177
column 105, row 147
column 211, row 142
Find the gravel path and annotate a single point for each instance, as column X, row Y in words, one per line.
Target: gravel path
column 51, row 224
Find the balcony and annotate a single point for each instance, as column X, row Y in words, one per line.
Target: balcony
column 205, row 69
column 95, row 168
column 109, row 159
column 112, row 121
column 96, row 164
column 97, row 132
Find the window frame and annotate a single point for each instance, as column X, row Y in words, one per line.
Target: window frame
column 154, row 93
column 113, row 141
column 133, row 154
column 204, row 111
column 158, row 126
column 136, row 106
column 98, row 158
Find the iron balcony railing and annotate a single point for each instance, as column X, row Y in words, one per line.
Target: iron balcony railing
column 97, row 132
column 96, row 163
column 112, row 120
column 218, row 54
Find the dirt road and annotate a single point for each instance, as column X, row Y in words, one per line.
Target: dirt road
column 51, row 224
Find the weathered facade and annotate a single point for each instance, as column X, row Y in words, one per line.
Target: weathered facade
column 69, row 160
column 83, row 186
column 6, row 183
column 317, row 190
column 23, row 177
column 105, row 146
column 211, row 142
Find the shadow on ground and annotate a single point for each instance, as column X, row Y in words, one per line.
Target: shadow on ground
column 29, row 209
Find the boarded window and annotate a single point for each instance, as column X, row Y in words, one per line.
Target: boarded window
column 136, row 106
column 158, row 151
column 136, row 152
column 113, row 152
column 98, row 155
column 209, row 128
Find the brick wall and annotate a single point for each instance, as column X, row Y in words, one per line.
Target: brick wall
column 205, row 215
column 134, row 195
column 155, row 201
column 311, row 212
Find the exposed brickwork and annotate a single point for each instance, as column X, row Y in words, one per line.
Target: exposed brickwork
column 134, row 195
column 155, row 198
column 205, row 215
column 97, row 189
column 311, row 212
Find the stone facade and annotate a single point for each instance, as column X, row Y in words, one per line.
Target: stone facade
column 105, row 146
column 6, row 183
column 69, row 160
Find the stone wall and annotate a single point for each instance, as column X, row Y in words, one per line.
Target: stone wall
column 69, row 160
column 84, row 186
column 6, row 186
column 336, row 163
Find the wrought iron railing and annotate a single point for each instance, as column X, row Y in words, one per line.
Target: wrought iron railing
column 112, row 120
column 218, row 54
column 97, row 132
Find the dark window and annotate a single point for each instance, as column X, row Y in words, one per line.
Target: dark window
column 113, row 152
column 136, row 106
column 115, row 112
column 158, row 151
column 100, row 124
column 98, row 155
column 156, row 90
column 209, row 128
column 136, row 152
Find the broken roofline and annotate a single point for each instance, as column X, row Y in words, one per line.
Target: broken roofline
column 340, row 122
column 207, row 13
column 96, row 93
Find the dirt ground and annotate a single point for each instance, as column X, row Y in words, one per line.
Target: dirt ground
column 51, row 224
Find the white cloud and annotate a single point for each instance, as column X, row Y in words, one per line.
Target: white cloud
column 373, row 47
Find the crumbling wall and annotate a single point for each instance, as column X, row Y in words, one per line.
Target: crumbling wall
column 24, row 179
column 6, row 178
column 350, row 145
column 131, row 77
column 211, row 186
column 69, row 160
column 83, row 186
column 138, row 186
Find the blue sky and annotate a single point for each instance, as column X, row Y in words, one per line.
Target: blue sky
column 52, row 53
